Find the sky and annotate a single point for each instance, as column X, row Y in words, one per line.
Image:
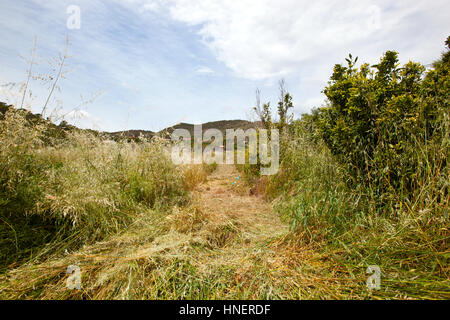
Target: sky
column 149, row 64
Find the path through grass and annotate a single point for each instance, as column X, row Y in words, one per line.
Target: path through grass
column 226, row 244
column 220, row 246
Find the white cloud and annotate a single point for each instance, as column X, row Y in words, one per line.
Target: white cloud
column 204, row 70
column 266, row 39
column 308, row 104
column 142, row 51
column 83, row 119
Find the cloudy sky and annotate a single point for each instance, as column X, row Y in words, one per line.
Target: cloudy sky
column 154, row 63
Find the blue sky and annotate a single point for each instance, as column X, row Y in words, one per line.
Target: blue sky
column 160, row 62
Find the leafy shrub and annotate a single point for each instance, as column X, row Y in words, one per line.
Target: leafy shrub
column 364, row 180
column 379, row 117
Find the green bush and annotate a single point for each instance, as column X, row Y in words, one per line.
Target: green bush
column 364, row 180
column 379, row 118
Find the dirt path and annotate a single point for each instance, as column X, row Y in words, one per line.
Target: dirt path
column 241, row 228
column 225, row 197
column 223, row 245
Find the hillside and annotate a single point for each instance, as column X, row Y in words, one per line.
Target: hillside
column 222, row 125
column 130, row 134
column 58, row 130
column 52, row 130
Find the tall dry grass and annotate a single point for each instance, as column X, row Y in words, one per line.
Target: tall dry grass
column 62, row 193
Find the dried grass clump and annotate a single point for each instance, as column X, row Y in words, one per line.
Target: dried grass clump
column 196, row 174
column 80, row 189
column 188, row 219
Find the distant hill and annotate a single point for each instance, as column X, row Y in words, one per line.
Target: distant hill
column 63, row 127
column 130, row 134
column 52, row 130
column 222, row 125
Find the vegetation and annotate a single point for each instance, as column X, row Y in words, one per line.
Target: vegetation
column 365, row 179
column 362, row 181
column 78, row 190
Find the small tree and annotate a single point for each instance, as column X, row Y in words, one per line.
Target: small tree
column 264, row 114
column 284, row 104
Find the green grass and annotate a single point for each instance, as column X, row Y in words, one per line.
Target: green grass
column 342, row 221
